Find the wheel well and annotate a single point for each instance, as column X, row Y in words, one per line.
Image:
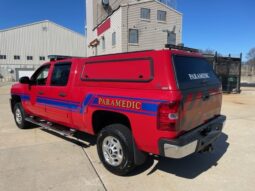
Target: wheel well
column 15, row 99
column 101, row 119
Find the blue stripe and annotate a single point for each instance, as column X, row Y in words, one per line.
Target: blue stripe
column 150, row 107
column 24, row 97
column 85, row 102
column 132, row 98
column 147, row 108
column 59, row 100
column 95, row 101
column 123, row 110
column 59, row 104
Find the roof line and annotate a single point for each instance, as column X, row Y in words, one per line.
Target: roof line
column 39, row 22
column 134, row 3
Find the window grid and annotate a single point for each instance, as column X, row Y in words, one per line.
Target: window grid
column 133, row 36
column 145, row 13
column 161, row 15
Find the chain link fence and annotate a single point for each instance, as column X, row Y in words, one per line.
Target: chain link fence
column 228, row 70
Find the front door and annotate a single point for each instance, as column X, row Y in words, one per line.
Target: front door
column 37, row 90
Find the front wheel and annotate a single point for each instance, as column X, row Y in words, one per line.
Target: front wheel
column 19, row 117
column 115, row 149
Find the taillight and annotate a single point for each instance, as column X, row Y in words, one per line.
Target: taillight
column 168, row 115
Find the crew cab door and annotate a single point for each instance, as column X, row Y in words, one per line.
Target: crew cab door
column 37, row 89
column 58, row 99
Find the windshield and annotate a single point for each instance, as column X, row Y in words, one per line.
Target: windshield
column 192, row 72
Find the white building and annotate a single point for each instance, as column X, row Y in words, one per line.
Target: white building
column 28, row 46
column 130, row 25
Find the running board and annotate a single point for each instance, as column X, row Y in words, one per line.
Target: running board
column 52, row 127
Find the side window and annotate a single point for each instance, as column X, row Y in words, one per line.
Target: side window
column 60, row 74
column 41, row 75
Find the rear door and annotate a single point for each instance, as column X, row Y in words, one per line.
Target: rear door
column 200, row 88
column 58, row 97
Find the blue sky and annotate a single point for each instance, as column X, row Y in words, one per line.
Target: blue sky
column 227, row 26
column 224, row 25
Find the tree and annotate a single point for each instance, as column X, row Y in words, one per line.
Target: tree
column 208, row 51
column 251, row 59
column 251, row 54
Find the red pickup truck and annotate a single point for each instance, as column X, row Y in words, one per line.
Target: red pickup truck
column 162, row 102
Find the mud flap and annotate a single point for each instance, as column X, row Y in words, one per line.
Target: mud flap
column 139, row 156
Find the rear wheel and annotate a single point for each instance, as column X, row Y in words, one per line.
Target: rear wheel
column 115, row 149
column 19, row 117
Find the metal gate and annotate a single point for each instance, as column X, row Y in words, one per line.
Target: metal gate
column 228, row 69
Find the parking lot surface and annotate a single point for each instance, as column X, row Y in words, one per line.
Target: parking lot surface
column 34, row 159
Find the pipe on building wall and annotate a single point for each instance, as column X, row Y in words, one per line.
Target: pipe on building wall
column 127, row 28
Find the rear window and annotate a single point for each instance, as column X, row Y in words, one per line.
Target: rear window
column 192, row 72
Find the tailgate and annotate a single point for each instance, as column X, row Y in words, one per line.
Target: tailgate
column 199, row 106
column 200, row 89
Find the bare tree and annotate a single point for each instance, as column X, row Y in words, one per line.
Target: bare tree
column 208, row 51
column 251, row 54
column 251, row 60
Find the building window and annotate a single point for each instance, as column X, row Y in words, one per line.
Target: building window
column 145, row 13
column 161, row 15
column 2, row 57
column 133, row 36
column 113, row 38
column 16, row 57
column 29, row 57
column 42, row 58
column 103, row 43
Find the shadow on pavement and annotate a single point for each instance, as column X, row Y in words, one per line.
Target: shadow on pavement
column 81, row 139
column 189, row 167
column 192, row 166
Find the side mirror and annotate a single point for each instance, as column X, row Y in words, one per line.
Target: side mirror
column 24, row 80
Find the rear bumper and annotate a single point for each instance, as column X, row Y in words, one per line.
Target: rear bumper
column 193, row 141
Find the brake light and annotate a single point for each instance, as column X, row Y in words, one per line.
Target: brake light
column 168, row 115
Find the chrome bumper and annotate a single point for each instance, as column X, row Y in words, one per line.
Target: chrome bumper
column 193, row 141
column 174, row 151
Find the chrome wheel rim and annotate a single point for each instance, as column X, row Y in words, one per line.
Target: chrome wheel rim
column 112, row 151
column 18, row 116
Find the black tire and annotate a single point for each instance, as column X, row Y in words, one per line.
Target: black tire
column 19, row 117
column 122, row 135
